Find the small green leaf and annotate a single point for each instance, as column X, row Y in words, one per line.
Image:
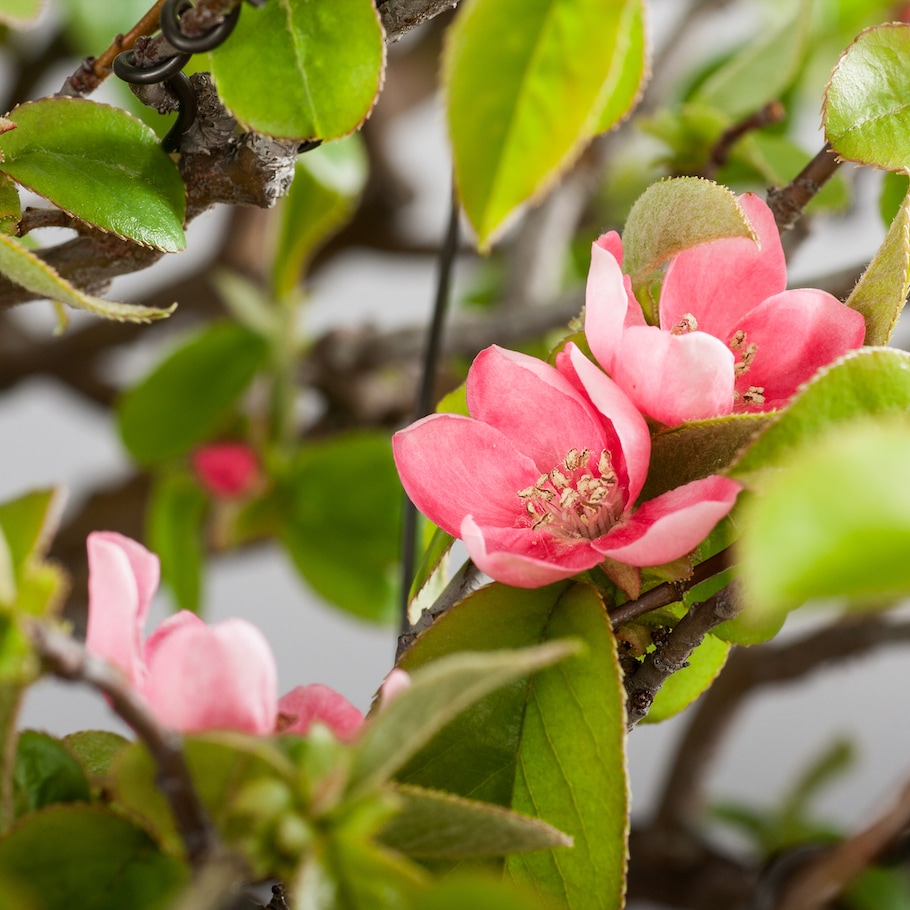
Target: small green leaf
column 100, row 164
column 27, row 269
column 10, row 205
column 68, row 854
column 185, row 398
column 865, row 112
column 320, row 77
column 895, row 187
column 432, row 824
column 526, row 87
column 802, row 539
column 19, row 13
column 675, row 215
column 881, row 292
column 870, row 381
column 95, row 750
column 45, row 773
column 763, row 70
column 349, row 557
column 459, row 891
column 699, row 449
column 175, row 521
column 28, row 524
column 327, row 184
column 438, row 693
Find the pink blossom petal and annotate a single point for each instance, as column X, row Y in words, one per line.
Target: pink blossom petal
column 675, row 378
column 226, row 469
column 533, row 405
column 451, row 465
column 606, row 301
column 795, row 334
column 168, row 627
column 123, row 577
column 317, row 703
column 219, row 677
column 393, row 685
column 525, row 558
column 719, row 282
column 672, row 524
column 630, row 427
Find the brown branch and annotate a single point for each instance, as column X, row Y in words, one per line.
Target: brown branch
column 68, row 659
column 788, row 203
column 400, row 16
column 772, row 112
column 673, row 655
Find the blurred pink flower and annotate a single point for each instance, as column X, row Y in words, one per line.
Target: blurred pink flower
column 541, row 481
column 300, row 708
column 226, row 469
column 731, row 337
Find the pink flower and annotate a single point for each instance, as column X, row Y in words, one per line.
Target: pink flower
column 731, row 337
column 541, row 481
column 193, row 676
column 227, row 470
column 300, row 708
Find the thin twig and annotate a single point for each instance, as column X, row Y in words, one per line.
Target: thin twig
column 772, row 112
column 68, row 659
column 788, row 203
column 425, row 396
column 673, row 654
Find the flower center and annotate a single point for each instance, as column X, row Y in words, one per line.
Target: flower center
column 577, row 499
column 746, row 351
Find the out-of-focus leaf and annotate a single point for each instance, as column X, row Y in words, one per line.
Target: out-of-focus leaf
column 67, row 854
column 19, row 13
column 865, row 111
column 881, row 292
column 459, row 891
column 25, row 268
column 320, row 77
column 342, row 506
column 895, row 187
column 183, row 400
column 92, row 26
column 526, row 87
column 805, row 538
column 327, row 185
column 45, row 773
column 95, row 750
column 878, row 888
column 125, row 184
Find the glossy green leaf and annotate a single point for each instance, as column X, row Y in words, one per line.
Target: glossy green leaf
column 802, row 539
column 185, row 398
column 19, row 13
column 76, row 856
column 439, row 692
column 552, row 747
column 320, row 77
column 675, row 215
column 763, row 70
column 867, row 382
column 526, row 87
column 175, row 524
column 10, row 206
column 460, row 891
column 698, row 449
column 124, row 184
column 327, row 185
column 45, row 773
column 433, row 824
column 865, row 111
column 881, row 292
column 342, row 508
column 25, row 268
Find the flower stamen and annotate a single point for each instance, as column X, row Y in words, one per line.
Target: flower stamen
column 688, row 323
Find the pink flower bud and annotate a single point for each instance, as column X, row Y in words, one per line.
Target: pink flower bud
column 300, row 708
column 227, row 470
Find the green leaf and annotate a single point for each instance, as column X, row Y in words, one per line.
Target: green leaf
column 175, row 523
column 27, row 269
column 45, row 773
column 327, row 184
column 350, row 557
column 95, row 750
column 865, row 112
column 90, row 858
column 433, row 824
column 675, row 215
column 10, row 205
column 430, row 577
column 27, row 526
column 551, row 747
column 101, row 165
column 870, row 381
column 185, row 398
column 802, row 539
column 320, row 77
column 459, row 891
column 439, row 692
column 526, row 87
column 91, row 26
column 19, row 13
column 699, row 449
column 762, row 71
column 881, row 292
column 878, row 889
column 895, row 187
